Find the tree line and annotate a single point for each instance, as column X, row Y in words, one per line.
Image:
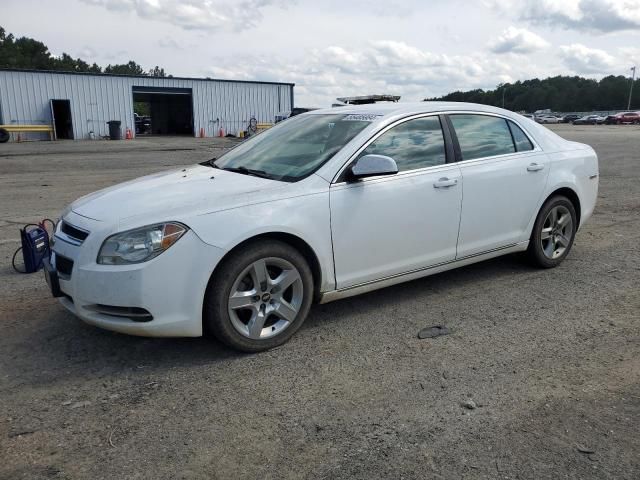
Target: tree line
column 28, row 53
column 560, row 94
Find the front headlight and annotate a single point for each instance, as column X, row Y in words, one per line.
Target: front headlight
column 141, row 244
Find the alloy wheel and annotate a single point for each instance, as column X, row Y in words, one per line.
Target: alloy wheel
column 557, row 232
column 265, row 298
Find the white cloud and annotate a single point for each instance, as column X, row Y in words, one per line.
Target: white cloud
column 87, row 54
column 631, row 55
column 518, row 40
column 376, row 67
column 204, row 15
column 399, row 54
column 587, row 15
column 170, row 42
column 585, row 60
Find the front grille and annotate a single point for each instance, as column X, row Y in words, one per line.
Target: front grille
column 74, row 232
column 136, row 314
column 64, row 265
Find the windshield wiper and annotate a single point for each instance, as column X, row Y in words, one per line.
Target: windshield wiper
column 242, row 170
column 248, row 171
column 210, row 163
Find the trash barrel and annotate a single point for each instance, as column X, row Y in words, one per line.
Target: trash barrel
column 114, row 129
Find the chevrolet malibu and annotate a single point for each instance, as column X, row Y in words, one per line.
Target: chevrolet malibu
column 323, row 206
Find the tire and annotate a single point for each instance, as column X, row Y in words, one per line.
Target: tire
column 4, row 136
column 262, row 296
column 551, row 240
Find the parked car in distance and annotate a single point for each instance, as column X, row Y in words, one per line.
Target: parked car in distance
column 529, row 116
column 326, row 205
column 570, row 118
column 589, row 120
column 627, row 118
column 548, row 119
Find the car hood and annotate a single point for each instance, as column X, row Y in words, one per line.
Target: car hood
column 178, row 193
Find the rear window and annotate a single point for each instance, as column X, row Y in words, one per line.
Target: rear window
column 522, row 142
column 482, row 136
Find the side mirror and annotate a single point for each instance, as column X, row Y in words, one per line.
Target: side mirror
column 371, row 166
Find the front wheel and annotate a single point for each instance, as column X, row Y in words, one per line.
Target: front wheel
column 553, row 232
column 259, row 297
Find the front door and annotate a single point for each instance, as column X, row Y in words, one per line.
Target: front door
column 386, row 226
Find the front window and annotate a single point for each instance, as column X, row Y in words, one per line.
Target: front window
column 414, row 144
column 296, row 147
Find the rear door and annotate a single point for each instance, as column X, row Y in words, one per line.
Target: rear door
column 504, row 175
column 390, row 225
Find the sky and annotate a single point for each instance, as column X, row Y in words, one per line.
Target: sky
column 333, row 48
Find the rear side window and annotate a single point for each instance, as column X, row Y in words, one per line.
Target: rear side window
column 523, row 144
column 414, row 144
column 482, row 136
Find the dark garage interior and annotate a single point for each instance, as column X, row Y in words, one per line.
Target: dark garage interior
column 163, row 111
column 61, row 117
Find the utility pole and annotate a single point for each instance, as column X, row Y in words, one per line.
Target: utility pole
column 633, row 79
column 504, row 89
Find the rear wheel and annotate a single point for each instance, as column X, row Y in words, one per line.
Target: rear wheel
column 259, row 297
column 553, row 232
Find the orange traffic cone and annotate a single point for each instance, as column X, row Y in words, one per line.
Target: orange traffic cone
column 129, row 135
column 202, row 135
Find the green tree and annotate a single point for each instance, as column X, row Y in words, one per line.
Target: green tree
column 23, row 52
column 130, row 68
column 31, row 54
column 69, row 64
column 561, row 94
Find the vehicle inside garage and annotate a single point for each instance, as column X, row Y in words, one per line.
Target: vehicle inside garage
column 163, row 111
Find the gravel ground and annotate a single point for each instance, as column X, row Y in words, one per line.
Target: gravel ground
column 549, row 359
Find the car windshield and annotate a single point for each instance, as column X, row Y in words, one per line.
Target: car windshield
column 295, row 148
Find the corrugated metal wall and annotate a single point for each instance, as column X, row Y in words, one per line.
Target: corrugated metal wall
column 96, row 99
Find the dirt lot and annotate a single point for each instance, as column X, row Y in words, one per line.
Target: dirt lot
column 551, row 358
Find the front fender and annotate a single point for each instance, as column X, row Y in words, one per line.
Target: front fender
column 306, row 217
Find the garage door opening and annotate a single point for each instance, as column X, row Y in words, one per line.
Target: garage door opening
column 163, row 111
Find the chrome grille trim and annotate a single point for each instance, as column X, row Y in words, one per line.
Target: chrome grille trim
column 71, row 234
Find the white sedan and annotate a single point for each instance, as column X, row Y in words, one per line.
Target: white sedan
column 548, row 119
column 323, row 206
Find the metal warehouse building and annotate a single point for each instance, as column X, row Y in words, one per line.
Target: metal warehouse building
column 79, row 105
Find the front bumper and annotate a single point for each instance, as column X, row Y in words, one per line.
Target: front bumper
column 170, row 287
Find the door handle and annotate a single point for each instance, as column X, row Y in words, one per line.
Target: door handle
column 535, row 167
column 445, row 183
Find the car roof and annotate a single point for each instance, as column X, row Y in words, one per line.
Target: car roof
column 388, row 109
